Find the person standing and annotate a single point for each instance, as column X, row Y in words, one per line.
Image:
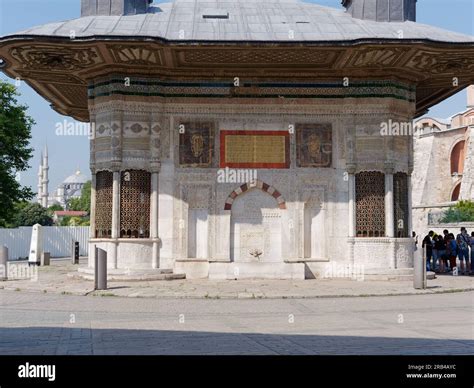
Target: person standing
column 451, row 251
column 446, row 238
column 440, row 247
column 472, row 254
column 463, row 241
column 415, row 241
column 428, row 243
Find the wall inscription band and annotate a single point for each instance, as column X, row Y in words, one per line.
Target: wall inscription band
column 255, row 149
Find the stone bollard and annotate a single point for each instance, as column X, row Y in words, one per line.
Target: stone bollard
column 101, row 269
column 3, row 263
column 419, row 274
column 45, row 258
column 75, row 252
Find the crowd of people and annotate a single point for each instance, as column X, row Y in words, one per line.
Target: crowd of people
column 445, row 252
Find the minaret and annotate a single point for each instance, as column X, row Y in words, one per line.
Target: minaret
column 45, row 179
column 40, row 181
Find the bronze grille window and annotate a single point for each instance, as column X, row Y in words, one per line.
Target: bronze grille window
column 103, row 204
column 370, row 204
column 135, row 192
column 400, row 198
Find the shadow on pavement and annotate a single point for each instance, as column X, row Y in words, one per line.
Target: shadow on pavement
column 77, row 341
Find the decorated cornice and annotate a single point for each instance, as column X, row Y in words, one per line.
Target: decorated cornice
column 61, row 69
column 143, row 87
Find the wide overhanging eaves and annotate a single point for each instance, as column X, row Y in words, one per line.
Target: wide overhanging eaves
column 60, row 68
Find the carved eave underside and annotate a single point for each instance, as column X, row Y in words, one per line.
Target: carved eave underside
column 60, row 69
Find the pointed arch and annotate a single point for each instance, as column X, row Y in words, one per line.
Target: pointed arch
column 456, row 192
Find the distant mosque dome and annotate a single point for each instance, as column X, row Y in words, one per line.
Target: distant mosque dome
column 77, row 178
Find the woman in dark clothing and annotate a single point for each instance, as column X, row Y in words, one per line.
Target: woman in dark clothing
column 452, row 250
column 440, row 246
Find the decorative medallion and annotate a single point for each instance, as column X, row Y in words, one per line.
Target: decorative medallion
column 196, row 144
column 314, row 145
column 55, row 58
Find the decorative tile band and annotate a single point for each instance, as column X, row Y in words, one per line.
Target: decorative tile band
column 214, row 89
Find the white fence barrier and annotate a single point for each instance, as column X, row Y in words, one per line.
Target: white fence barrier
column 56, row 240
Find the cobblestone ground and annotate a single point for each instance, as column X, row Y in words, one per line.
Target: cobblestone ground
column 38, row 323
column 55, row 279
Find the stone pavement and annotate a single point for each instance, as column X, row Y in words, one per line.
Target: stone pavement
column 54, row 279
column 52, row 324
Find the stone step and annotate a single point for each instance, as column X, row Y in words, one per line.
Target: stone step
column 388, row 272
column 385, row 277
column 121, row 275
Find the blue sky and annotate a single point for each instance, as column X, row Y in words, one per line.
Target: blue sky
column 68, row 153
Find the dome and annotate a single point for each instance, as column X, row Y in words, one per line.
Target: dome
column 242, row 21
column 77, row 178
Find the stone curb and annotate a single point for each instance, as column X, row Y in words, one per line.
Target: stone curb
column 239, row 296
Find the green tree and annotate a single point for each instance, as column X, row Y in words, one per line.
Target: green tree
column 75, row 221
column 463, row 211
column 15, row 136
column 54, row 208
column 84, row 202
column 30, row 214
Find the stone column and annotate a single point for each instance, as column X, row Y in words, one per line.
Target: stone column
column 92, row 217
column 154, row 213
column 93, row 205
column 352, row 200
column 389, row 205
column 390, row 215
column 410, row 204
column 115, row 217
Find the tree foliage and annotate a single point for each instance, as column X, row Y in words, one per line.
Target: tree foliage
column 15, row 136
column 75, row 221
column 84, row 202
column 54, row 208
column 463, row 211
column 29, row 214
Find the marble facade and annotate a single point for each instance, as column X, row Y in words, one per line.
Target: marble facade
column 298, row 217
column 245, row 141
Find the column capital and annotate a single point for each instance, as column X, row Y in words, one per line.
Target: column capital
column 389, row 167
column 155, row 167
column 351, row 168
column 115, row 166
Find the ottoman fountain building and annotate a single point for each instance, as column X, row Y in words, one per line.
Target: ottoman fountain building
column 247, row 138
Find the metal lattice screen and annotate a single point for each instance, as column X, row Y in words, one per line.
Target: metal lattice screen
column 135, row 190
column 370, row 204
column 400, row 198
column 103, row 204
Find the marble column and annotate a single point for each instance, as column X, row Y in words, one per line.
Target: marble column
column 389, row 205
column 352, row 233
column 115, row 217
column 390, row 216
column 352, row 201
column 410, row 204
column 92, row 219
column 154, row 213
column 93, row 205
